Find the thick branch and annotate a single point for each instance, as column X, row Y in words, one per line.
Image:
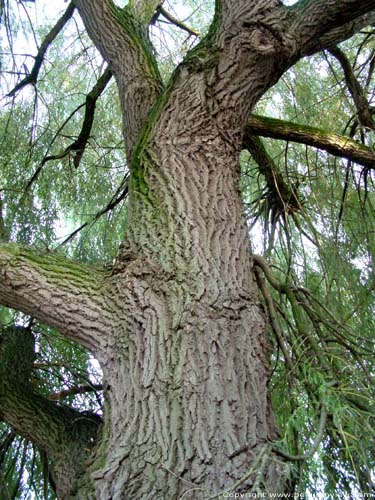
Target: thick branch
column 319, row 23
column 58, row 292
column 52, row 427
column 335, row 144
column 39, row 58
column 343, row 32
column 123, row 42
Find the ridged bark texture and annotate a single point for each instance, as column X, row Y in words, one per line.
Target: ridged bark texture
column 187, row 369
column 177, row 326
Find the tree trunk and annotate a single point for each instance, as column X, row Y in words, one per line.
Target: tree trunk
column 186, row 369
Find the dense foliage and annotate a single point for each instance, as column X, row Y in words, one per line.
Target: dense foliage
column 313, row 227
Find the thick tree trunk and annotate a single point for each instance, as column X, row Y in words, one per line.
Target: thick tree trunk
column 186, row 369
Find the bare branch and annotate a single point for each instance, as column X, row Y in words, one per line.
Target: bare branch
column 335, row 144
column 74, row 391
column 39, row 58
column 117, row 198
column 177, row 22
column 79, row 145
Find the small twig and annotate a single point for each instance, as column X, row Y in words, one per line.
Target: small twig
column 177, row 22
column 195, row 487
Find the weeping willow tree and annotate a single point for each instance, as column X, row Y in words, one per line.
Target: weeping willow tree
column 187, row 245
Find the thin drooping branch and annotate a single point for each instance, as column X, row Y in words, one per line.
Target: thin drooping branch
column 119, row 196
column 363, row 107
column 281, row 195
column 123, row 41
column 56, row 291
column 33, row 416
column 39, row 58
column 315, row 445
column 335, row 144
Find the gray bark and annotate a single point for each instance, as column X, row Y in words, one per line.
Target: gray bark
column 177, row 326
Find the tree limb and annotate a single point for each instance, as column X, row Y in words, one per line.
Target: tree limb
column 335, row 144
column 122, row 39
column 317, row 24
column 73, row 391
column 39, row 58
column 55, row 290
column 79, row 145
column 33, row 416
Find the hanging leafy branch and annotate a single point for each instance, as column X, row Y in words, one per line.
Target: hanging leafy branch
column 365, row 112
